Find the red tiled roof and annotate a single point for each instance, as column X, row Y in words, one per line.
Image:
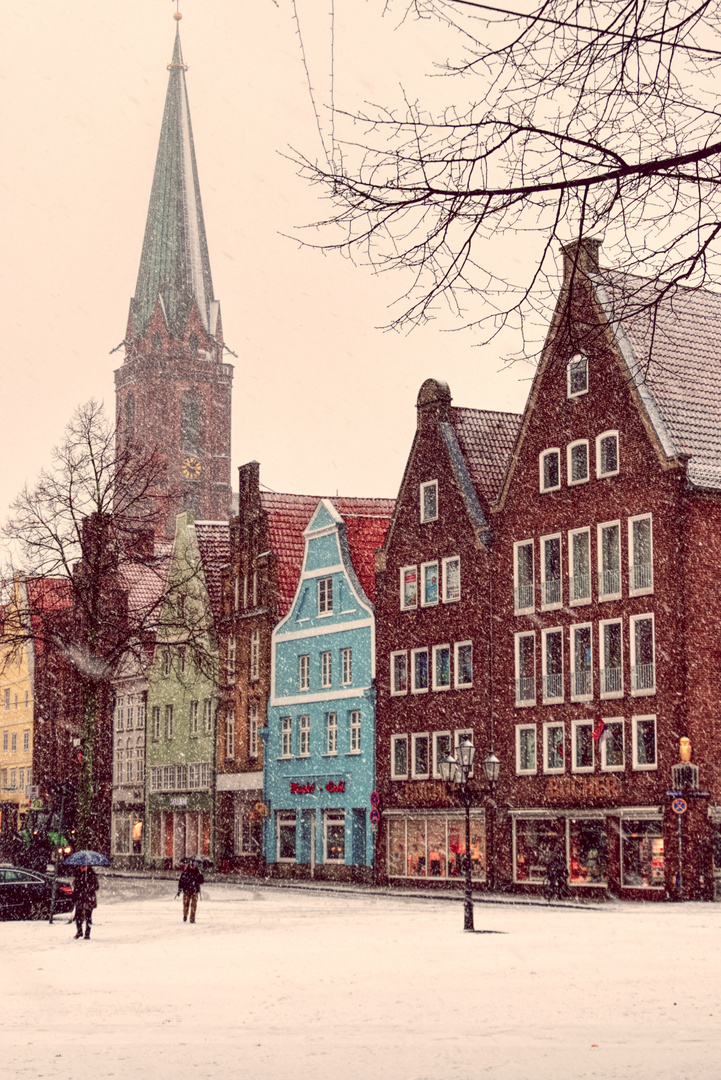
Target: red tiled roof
column 146, row 581
column 214, row 545
column 366, row 523
column 46, row 595
column 486, row 440
column 675, row 361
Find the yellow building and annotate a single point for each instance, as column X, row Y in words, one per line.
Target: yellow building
column 16, row 723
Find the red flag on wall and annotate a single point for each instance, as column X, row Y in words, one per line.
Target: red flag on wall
column 599, row 729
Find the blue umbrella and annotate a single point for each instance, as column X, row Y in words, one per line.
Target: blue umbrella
column 86, row 858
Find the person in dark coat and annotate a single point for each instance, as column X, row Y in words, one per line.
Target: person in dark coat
column 189, row 885
column 84, row 889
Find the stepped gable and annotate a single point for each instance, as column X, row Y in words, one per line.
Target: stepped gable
column 669, row 336
column 214, row 546
column 486, row 440
column 366, row 523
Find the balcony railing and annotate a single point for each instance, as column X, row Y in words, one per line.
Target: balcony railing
column 609, row 582
column 581, row 683
column 551, row 591
column 523, row 597
column 643, row 677
column 611, row 680
column 526, row 689
column 553, row 687
column 580, row 587
column 640, row 576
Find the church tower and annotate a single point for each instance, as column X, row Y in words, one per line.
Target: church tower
column 173, row 390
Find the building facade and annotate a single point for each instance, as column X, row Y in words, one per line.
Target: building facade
column 320, row 736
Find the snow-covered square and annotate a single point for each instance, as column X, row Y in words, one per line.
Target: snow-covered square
column 279, row 983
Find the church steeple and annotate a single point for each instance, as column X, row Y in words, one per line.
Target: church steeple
column 174, row 264
column 173, row 390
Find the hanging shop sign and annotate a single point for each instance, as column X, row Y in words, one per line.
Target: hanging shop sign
column 583, row 787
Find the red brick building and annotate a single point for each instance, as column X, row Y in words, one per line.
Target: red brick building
column 433, row 620
column 605, row 570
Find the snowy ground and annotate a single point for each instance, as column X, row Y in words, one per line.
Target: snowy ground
column 274, row 984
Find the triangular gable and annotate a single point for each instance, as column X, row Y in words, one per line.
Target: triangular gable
column 325, row 516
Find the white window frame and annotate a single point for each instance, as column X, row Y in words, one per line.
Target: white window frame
column 581, row 600
column 434, row 750
column 304, row 671
column 575, row 627
column 230, row 735
column 552, row 605
column 394, row 740
column 194, row 719
column 576, row 725
column 541, row 469
column 551, row 699
column 524, row 703
column 632, row 590
column 254, row 667
column 607, row 695
column 605, row 767
column 519, row 609
column 208, row 716
column 326, row 669
column 569, row 463
column 569, row 366
column 331, row 734
column 403, row 571
column 645, row 616
column 230, row 668
column 169, row 719
column 635, row 764
column 519, row 729
column 450, row 559
column 325, row 596
column 602, row 595
column 354, row 731
column 394, row 657
column 286, row 737
column 155, row 721
column 346, row 664
column 253, row 729
column 557, row 770
column 434, row 682
column 285, row 817
column 457, row 667
column 422, row 489
column 420, row 689
column 600, row 474
column 414, row 739
column 424, row 567
column 304, row 735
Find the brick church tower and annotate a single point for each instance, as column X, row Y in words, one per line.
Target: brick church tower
column 173, row 390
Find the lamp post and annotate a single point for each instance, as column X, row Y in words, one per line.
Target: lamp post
column 491, row 771
column 459, row 771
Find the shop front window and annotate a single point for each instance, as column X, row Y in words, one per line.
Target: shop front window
column 587, row 850
column 122, row 836
column 286, row 837
column 642, row 854
column 137, row 834
column 435, row 847
column 538, row 840
column 334, row 836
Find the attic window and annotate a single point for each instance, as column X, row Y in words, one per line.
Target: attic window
column 429, row 501
column 577, row 375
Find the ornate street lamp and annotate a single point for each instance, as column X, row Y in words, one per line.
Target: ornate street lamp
column 458, row 770
column 491, row 771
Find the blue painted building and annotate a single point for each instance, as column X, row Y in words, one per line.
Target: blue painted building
column 319, row 761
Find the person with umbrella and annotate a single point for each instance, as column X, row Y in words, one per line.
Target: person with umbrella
column 189, row 885
column 85, row 887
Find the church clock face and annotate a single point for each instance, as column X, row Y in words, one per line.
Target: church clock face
column 191, row 468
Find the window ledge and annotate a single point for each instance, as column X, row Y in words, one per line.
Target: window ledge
column 643, row 693
column 354, row 753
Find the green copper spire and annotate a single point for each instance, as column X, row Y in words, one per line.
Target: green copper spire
column 174, row 264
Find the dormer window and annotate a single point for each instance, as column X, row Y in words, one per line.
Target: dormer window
column 549, row 464
column 577, row 375
column 578, row 462
column 429, row 501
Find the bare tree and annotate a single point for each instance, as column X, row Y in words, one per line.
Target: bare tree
column 95, row 596
column 582, row 118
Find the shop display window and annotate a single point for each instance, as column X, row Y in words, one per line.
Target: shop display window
column 642, row 854
column 587, row 852
column 286, row 837
column 435, row 846
column 334, row 823
column 537, row 841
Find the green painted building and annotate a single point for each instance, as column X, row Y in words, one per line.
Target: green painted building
column 182, row 700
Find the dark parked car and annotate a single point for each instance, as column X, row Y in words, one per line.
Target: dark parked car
column 26, row 894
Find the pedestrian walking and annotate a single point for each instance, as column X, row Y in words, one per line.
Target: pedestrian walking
column 189, row 885
column 84, row 890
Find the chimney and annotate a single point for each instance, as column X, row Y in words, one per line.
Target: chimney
column 580, row 256
column 248, row 488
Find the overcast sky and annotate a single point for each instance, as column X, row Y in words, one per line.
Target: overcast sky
column 323, row 398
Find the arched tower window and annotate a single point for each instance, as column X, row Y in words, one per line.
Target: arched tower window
column 192, row 421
